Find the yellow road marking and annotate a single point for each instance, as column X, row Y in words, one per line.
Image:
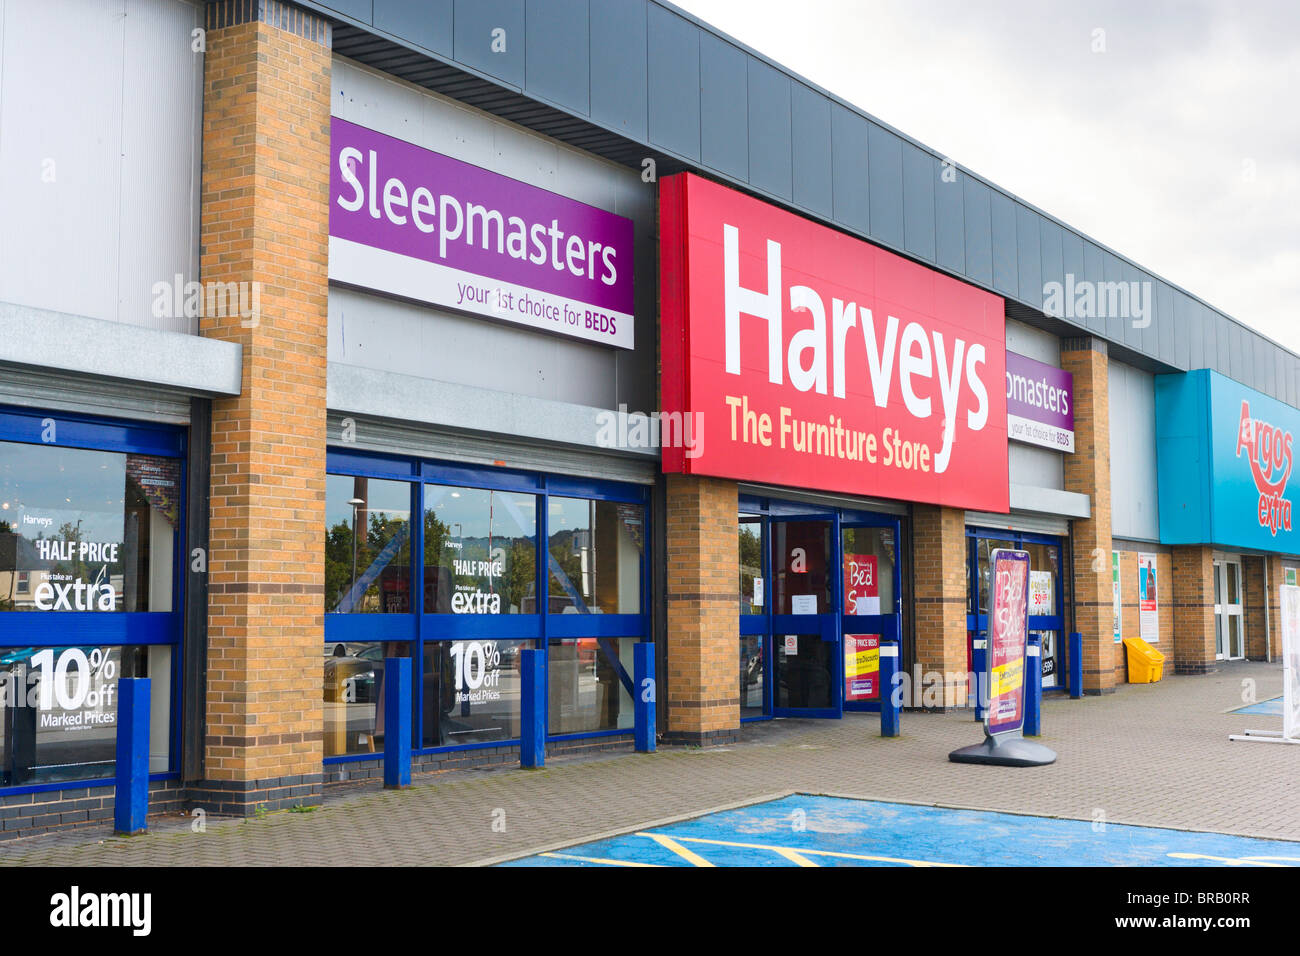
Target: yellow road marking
column 795, row 857
column 786, row 851
column 669, row 843
column 595, row 859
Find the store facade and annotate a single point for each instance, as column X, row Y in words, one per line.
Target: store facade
column 550, row 347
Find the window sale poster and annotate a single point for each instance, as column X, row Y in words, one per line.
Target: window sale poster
column 1148, row 601
column 1008, row 640
column 861, row 651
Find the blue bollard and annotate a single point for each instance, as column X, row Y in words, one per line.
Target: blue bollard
column 643, row 672
column 532, row 732
column 131, row 794
column 1076, row 665
column 890, row 691
column 397, row 723
column 979, row 664
column 1034, row 686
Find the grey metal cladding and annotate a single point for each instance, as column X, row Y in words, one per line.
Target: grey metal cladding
column 849, row 169
column 1050, row 253
column 1112, row 271
column 1132, row 322
column 885, row 155
column 557, row 53
column 1092, row 272
column 769, row 129
column 427, row 25
column 1167, row 349
column 810, row 141
column 478, row 44
column 673, row 81
column 724, row 120
column 644, row 59
column 618, row 66
column 977, row 227
column 1029, row 258
column 1002, row 213
column 363, row 10
column 949, row 220
column 920, row 173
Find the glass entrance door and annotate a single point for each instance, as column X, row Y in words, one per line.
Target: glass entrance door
column 1046, row 597
column 1229, row 619
column 807, row 668
column 869, row 604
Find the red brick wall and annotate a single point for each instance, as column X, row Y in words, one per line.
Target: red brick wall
column 265, row 219
column 1087, row 472
column 939, row 556
column 703, row 653
column 1193, row 609
column 1130, row 610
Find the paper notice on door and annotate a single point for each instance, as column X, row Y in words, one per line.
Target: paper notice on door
column 803, row 604
column 758, row 592
column 791, row 645
column 867, row 605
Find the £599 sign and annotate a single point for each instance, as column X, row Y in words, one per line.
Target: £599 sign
column 820, row 361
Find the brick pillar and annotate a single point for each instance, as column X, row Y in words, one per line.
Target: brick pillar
column 1087, row 472
column 1273, row 602
column 703, row 657
column 1193, row 609
column 1253, row 604
column 265, row 222
column 938, row 680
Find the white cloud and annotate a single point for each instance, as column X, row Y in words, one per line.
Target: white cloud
column 1179, row 146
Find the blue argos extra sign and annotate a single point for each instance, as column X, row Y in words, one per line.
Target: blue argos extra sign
column 1225, row 459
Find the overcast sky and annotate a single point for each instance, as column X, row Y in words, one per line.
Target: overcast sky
column 1178, row 146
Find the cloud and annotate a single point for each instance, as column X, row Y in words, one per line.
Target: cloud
column 1178, row 145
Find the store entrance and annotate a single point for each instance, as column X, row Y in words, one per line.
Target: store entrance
column 818, row 593
column 1229, row 612
column 1046, row 594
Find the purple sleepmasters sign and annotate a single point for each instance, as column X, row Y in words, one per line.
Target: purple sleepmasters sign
column 415, row 223
column 1040, row 404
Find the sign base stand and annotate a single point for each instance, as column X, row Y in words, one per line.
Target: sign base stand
column 1263, row 737
column 1004, row 751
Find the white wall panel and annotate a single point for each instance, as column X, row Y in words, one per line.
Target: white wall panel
column 374, row 331
column 1133, row 497
column 99, row 121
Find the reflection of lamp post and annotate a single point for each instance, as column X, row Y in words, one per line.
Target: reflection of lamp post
column 355, row 503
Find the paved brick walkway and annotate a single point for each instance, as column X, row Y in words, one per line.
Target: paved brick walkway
column 1157, row 755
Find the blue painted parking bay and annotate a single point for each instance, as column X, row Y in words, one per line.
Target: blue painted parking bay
column 804, row 830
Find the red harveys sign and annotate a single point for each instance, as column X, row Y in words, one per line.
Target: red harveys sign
column 816, row 360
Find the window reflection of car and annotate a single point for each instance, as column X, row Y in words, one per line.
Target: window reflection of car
column 358, row 665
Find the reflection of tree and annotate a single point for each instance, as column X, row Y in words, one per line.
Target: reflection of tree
column 521, row 572
column 338, row 559
column 751, row 561
column 566, row 556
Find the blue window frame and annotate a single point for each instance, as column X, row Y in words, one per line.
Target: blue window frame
column 78, row 491
column 760, row 627
column 1049, row 627
column 474, row 602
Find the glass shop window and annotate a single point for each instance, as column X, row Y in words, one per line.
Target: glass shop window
column 86, row 530
column 58, row 710
column 595, row 553
column 367, row 545
column 480, row 551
